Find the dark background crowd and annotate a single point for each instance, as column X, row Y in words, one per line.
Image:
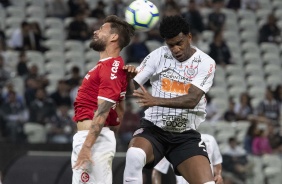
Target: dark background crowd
column 44, row 55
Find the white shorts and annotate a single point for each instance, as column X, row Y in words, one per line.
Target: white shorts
column 103, row 153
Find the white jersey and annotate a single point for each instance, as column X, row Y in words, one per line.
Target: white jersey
column 212, row 150
column 170, row 78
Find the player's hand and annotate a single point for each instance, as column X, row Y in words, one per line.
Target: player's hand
column 218, row 179
column 84, row 159
column 145, row 98
column 131, row 71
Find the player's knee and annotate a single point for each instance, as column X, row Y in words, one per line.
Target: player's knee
column 136, row 157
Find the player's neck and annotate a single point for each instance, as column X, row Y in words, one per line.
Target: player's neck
column 110, row 52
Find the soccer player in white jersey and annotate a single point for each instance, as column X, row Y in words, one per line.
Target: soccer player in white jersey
column 180, row 75
column 214, row 156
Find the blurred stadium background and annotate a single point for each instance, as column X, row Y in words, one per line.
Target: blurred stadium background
column 44, row 54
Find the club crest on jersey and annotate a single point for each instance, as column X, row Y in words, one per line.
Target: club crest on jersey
column 84, row 177
column 139, row 131
column 191, row 70
column 114, row 69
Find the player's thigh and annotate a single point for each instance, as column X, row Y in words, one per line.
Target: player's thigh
column 145, row 145
column 196, row 169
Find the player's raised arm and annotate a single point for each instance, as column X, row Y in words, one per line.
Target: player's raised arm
column 96, row 126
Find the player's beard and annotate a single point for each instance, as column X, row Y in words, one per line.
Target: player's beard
column 98, row 45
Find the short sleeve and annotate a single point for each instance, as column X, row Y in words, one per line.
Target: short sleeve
column 204, row 78
column 148, row 67
column 112, row 82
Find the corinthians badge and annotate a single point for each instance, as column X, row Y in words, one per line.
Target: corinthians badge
column 191, row 70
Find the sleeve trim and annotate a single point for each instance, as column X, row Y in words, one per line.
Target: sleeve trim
column 107, row 99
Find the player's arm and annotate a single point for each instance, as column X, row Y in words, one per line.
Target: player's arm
column 98, row 121
column 96, row 126
column 188, row 101
column 156, row 177
column 217, row 174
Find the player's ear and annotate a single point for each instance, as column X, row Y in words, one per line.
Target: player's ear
column 190, row 37
column 114, row 37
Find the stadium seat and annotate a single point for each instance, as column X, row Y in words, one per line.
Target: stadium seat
column 74, row 45
column 234, row 70
column 67, row 21
column 152, row 45
column 244, row 14
column 257, row 92
column 54, row 56
column 55, row 68
column 21, row 3
column 221, row 103
column 206, row 128
column 269, row 48
column 18, row 83
column 38, row 20
column 12, row 58
column 262, row 14
column 39, row 3
column 207, row 36
column 278, row 13
column 230, row 14
column 35, row 11
column 55, row 34
column 92, row 56
column 249, row 25
column 272, row 165
column 218, row 92
column 52, row 22
column 256, row 101
column 250, row 47
column 54, row 45
column 256, row 81
column 236, row 81
column 252, row 58
column 15, row 11
column 9, row 32
column 235, row 92
column 90, row 22
column 254, row 69
column 271, row 58
column 249, row 36
column 272, row 69
column 14, row 22
column 273, row 81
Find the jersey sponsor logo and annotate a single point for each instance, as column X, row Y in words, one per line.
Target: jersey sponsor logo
column 207, row 76
column 174, row 121
column 174, row 86
column 84, row 177
column 114, row 69
column 202, row 145
column 143, row 64
column 191, row 70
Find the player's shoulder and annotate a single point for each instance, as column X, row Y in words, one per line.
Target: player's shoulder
column 113, row 62
column 205, row 57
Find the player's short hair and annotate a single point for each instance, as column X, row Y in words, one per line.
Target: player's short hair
column 171, row 26
column 122, row 28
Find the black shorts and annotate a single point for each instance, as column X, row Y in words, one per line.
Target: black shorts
column 176, row 147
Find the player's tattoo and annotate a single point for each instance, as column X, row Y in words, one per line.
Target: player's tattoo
column 103, row 108
column 100, row 117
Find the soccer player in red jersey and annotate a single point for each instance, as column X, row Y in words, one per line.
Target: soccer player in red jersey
column 99, row 105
